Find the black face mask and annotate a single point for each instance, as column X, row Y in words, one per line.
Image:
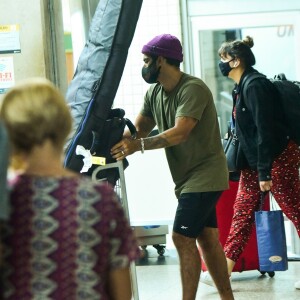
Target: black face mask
column 225, row 67
column 150, row 73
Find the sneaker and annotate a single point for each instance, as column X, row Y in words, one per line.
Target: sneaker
column 206, row 278
column 297, row 285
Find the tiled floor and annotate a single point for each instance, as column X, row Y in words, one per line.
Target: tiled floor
column 159, row 279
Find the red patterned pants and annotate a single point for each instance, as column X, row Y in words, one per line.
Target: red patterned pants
column 285, row 189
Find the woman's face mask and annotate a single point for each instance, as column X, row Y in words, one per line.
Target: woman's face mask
column 225, row 67
column 150, row 73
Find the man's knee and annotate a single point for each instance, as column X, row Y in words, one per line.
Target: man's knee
column 208, row 238
column 181, row 241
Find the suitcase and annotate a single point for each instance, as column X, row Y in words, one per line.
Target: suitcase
column 249, row 258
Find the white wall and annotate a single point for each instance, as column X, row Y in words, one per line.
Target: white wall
column 41, row 38
column 150, row 189
column 220, row 7
column 31, row 60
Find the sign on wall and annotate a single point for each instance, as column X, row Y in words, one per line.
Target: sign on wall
column 7, row 76
column 10, row 39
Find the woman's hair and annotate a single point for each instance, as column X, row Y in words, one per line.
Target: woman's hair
column 35, row 111
column 239, row 49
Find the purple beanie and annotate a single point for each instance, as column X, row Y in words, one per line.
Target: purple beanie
column 165, row 45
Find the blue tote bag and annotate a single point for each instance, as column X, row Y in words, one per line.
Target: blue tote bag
column 271, row 240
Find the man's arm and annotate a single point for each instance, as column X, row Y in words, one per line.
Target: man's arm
column 173, row 136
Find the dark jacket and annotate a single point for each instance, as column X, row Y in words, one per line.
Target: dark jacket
column 260, row 124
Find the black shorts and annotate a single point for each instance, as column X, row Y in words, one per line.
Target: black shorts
column 196, row 211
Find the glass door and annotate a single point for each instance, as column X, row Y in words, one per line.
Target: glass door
column 276, row 48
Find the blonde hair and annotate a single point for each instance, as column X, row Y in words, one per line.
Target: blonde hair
column 35, row 111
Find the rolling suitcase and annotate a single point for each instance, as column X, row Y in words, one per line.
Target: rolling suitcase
column 249, row 258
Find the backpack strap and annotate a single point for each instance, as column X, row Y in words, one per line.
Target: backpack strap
column 247, row 80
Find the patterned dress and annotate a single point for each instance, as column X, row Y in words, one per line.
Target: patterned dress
column 63, row 237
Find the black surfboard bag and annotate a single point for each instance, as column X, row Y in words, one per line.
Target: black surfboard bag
column 90, row 95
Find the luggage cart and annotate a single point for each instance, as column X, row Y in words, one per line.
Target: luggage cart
column 120, row 189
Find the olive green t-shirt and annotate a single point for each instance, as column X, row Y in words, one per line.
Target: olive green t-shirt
column 199, row 163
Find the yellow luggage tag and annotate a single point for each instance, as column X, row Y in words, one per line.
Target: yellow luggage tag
column 98, row 160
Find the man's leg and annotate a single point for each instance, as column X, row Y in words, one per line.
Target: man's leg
column 215, row 261
column 195, row 213
column 190, row 265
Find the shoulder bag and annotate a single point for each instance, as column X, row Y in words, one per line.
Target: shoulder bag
column 235, row 157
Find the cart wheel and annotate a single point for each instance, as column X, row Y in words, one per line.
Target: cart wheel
column 161, row 252
column 271, row 274
column 262, row 272
column 160, row 249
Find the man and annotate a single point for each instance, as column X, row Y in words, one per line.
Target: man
column 182, row 108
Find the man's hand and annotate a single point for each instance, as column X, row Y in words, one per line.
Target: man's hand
column 265, row 186
column 124, row 148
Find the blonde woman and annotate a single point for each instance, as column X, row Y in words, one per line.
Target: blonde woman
column 67, row 237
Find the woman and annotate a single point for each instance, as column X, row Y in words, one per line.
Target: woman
column 273, row 159
column 67, row 237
